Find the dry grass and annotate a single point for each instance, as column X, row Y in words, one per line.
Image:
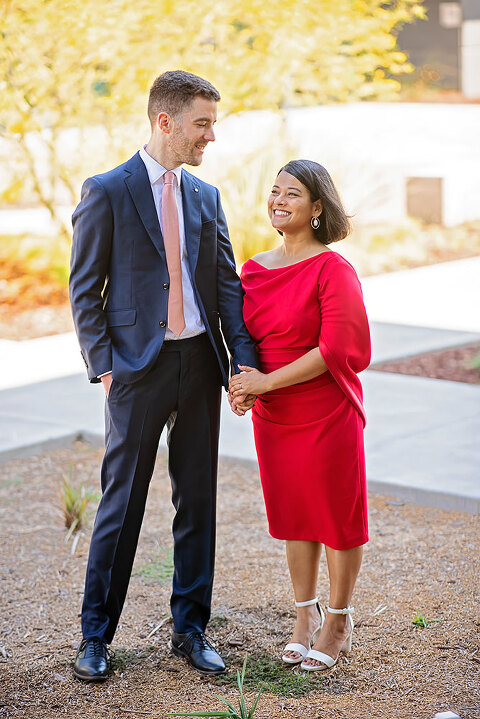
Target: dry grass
column 418, row 560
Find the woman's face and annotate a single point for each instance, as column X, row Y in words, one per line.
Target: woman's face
column 289, row 205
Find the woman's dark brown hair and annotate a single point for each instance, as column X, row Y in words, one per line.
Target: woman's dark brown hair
column 334, row 222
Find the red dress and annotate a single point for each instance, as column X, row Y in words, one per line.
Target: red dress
column 309, row 436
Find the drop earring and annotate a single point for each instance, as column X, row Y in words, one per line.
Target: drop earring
column 315, row 223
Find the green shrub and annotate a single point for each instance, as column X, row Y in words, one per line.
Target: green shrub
column 74, row 502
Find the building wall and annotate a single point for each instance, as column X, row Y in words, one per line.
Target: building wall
column 434, row 48
column 445, row 48
column 470, row 49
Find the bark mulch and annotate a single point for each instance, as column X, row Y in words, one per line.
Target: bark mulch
column 458, row 364
column 420, row 563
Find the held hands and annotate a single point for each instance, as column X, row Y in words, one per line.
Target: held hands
column 241, row 405
column 249, row 382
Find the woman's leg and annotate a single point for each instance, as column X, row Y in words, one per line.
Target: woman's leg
column 343, row 568
column 303, row 559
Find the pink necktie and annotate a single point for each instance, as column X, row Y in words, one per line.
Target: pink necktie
column 171, row 240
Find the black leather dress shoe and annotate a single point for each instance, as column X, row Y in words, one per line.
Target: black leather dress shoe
column 198, row 651
column 91, row 662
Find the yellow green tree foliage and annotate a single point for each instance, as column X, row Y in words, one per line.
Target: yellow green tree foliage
column 291, row 52
column 61, row 64
column 83, row 63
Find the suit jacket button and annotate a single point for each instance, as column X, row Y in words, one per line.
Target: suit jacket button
column 165, row 285
column 162, row 323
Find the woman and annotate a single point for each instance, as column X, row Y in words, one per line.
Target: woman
column 303, row 307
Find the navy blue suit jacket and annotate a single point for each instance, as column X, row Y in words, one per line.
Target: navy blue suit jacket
column 119, row 277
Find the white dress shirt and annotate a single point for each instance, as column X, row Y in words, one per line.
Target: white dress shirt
column 193, row 321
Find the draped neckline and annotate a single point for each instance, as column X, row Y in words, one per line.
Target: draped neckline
column 294, row 264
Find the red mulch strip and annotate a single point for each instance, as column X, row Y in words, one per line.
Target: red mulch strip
column 457, row 364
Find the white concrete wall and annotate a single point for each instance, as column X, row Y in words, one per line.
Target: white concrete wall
column 372, row 148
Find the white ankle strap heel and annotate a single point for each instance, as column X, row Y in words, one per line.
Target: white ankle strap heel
column 300, row 649
column 328, row 662
column 348, row 610
column 347, row 644
column 308, row 603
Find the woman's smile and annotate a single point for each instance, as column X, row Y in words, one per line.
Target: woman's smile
column 290, row 204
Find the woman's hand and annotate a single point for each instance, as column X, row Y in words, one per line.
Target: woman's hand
column 249, row 381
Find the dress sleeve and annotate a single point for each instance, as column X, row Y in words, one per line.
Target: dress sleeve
column 344, row 339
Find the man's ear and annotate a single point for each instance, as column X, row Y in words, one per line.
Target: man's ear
column 164, row 122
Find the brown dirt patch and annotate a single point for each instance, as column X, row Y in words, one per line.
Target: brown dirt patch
column 418, row 559
column 453, row 364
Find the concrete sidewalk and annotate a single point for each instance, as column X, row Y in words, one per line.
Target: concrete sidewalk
column 421, row 437
column 422, row 434
column 445, row 296
column 46, row 358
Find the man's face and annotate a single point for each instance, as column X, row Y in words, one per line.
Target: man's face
column 192, row 131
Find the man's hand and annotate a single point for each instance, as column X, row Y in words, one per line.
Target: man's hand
column 234, row 407
column 247, row 403
column 241, row 405
column 244, row 402
column 107, row 382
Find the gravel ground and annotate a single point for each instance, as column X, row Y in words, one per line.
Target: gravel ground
column 419, row 560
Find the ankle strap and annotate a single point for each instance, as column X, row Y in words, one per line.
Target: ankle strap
column 307, row 603
column 347, row 610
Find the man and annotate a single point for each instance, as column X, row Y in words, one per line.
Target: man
column 152, row 277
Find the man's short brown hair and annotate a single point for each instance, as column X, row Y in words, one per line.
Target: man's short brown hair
column 175, row 90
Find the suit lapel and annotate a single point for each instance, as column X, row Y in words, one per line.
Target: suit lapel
column 140, row 190
column 192, row 216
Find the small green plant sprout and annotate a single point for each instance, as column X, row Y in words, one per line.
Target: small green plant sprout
column 232, row 713
column 474, row 363
column 419, row 620
column 74, row 501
